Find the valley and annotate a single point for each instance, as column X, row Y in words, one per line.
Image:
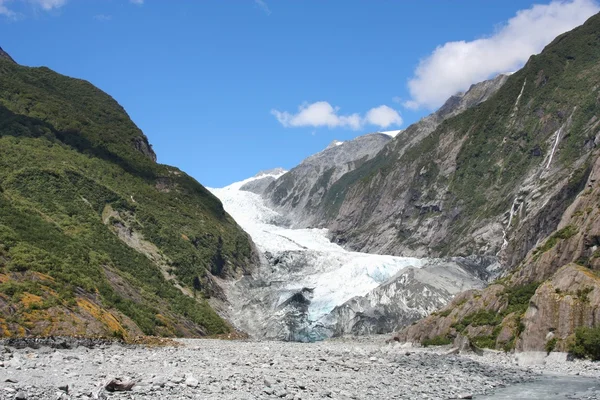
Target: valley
column 451, row 250
column 307, row 287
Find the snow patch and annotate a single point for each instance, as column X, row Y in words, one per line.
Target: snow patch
column 392, row 133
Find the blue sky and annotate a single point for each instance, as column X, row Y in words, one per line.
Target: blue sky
column 224, row 89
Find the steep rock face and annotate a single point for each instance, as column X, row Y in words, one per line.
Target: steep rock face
column 299, row 192
column 569, row 300
column 264, row 179
column 552, row 292
column 96, row 238
column 408, row 296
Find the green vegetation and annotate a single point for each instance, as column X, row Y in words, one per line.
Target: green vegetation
column 566, row 233
column 437, row 341
column 551, row 344
column 75, row 173
column 582, row 294
column 445, row 313
column 517, row 300
column 479, row 318
column 485, row 342
column 587, row 343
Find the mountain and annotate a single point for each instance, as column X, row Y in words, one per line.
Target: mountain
column 292, row 296
column 311, row 193
column 299, row 192
column 262, row 180
column 530, row 162
column 96, row 238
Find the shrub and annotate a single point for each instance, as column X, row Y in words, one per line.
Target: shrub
column 518, row 297
column 587, row 343
column 550, row 345
column 488, row 341
column 436, row 341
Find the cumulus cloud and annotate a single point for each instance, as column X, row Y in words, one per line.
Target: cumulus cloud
column 383, row 116
column 454, row 66
column 323, row 114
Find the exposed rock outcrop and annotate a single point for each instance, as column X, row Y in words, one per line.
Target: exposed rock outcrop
column 299, row 193
column 265, row 178
column 410, row 295
column 552, row 292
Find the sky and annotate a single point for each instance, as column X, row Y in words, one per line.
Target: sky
column 225, row 89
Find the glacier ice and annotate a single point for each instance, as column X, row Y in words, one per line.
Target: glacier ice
column 309, row 288
column 337, row 275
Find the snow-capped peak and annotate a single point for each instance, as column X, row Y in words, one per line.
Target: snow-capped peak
column 335, row 143
column 274, row 172
column 392, row 133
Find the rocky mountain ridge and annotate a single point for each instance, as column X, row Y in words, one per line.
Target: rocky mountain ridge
column 298, row 193
column 310, row 192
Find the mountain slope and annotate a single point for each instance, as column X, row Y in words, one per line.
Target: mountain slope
column 495, row 178
column 311, row 192
column 300, row 191
column 552, row 224
column 5, row 55
column 96, row 238
column 552, row 292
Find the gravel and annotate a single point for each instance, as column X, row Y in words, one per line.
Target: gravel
column 214, row 369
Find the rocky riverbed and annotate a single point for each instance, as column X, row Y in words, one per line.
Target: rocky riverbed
column 216, row 369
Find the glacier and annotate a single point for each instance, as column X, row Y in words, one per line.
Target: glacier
column 304, row 276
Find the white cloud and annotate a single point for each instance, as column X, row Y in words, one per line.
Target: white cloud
column 138, row 2
column 317, row 114
column 321, row 113
column 263, row 6
column 454, row 66
column 383, row 116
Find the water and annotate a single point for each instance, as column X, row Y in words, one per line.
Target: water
column 549, row 387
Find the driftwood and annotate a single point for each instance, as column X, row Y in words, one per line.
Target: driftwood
column 117, row 385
